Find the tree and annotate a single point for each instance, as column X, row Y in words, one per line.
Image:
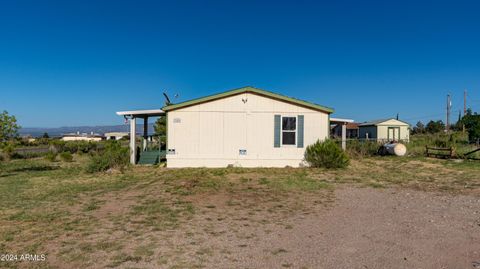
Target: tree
column 45, row 135
column 472, row 124
column 419, row 128
column 160, row 126
column 435, row 127
column 8, row 127
column 458, row 126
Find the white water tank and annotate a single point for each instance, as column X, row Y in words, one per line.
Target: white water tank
column 397, row 149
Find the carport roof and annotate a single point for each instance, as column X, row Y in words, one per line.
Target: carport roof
column 142, row 113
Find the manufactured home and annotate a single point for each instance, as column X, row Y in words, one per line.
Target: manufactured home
column 385, row 130
column 82, row 137
column 246, row 127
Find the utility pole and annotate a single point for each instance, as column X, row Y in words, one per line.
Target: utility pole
column 464, row 107
column 449, row 107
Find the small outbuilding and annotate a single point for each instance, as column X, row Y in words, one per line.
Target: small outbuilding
column 385, row 130
column 116, row 135
column 82, row 137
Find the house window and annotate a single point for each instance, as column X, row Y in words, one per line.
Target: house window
column 289, row 129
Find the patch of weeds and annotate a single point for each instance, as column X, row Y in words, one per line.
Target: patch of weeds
column 157, row 214
column 51, row 156
column 33, row 247
column 93, row 205
column 446, row 188
column 66, row 156
column 298, row 181
column 263, row 181
column 162, row 261
column 181, row 190
column 237, row 170
column 219, row 172
column 232, row 203
column 189, row 208
column 245, row 179
column 211, row 184
column 122, row 258
column 8, row 237
column 37, row 216
column 145, row 250
column 86, row 248
column 375, row 185
column 108, row 246
column 204, row 251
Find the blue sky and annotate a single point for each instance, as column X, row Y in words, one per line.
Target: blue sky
column 70, row 63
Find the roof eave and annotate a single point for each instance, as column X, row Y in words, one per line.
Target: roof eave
column 252, row 90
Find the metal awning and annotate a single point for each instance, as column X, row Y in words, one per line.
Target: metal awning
column 339, row 120
column 132, row 116
column 343, row 123
column 142, row 113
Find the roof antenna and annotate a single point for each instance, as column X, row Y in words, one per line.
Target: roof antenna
column 397, row 116
column 167, row 100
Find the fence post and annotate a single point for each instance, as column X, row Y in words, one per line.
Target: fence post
column 344, row 136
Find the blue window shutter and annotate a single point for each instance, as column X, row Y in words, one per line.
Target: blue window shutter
column 300, row 131
column 276, row 132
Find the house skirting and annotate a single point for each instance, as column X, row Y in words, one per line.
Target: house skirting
column 219, row 163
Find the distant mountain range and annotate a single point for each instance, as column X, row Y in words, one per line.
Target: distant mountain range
column 55, row 132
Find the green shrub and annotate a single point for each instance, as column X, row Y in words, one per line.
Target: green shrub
column 51, row 156
column 360, row 149
column 326, row 154
column 66, row 156
column 80, row 146
column 113, row 156
column 31, row 155
column 57, row 145
column 8, row 151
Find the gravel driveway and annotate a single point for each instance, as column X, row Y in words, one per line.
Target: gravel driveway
column 363, row 228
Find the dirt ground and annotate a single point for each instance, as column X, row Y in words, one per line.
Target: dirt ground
column 377, row 213
column 360, row 228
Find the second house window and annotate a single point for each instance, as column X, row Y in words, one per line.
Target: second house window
column 289, row 128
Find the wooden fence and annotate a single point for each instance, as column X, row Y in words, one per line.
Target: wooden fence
column 445, row 153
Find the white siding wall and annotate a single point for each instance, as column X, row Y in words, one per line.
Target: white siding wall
column 211, row 134
column 383, row 132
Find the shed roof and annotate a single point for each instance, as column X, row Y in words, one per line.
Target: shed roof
column 380, row 121
column 249, row 89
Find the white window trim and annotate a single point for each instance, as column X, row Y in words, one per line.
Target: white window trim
column 281, row 131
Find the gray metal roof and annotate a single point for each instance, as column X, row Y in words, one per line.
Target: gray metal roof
column 377, row 122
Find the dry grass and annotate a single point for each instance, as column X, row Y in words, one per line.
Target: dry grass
column 127, row 220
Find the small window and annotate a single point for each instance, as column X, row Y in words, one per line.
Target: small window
column 289, row 129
